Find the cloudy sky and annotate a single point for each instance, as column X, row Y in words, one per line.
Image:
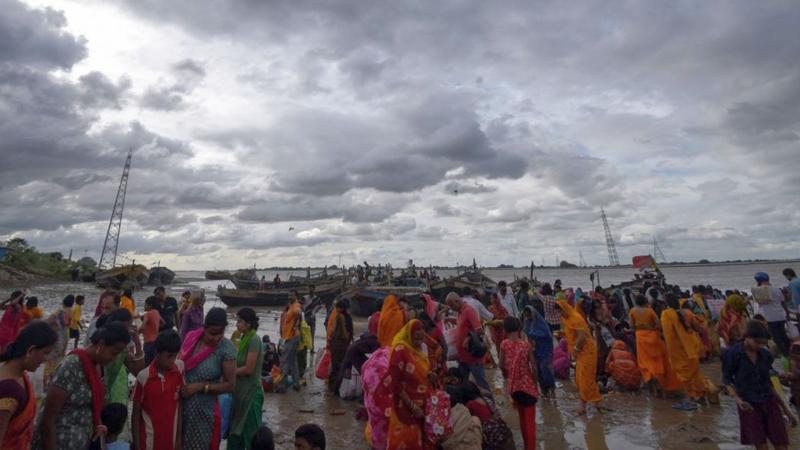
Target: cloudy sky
column 298, row 132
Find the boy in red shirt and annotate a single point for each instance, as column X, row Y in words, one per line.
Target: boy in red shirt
column 156, row 418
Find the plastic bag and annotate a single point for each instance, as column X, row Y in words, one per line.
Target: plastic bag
column 351, row 387
column 324, row 366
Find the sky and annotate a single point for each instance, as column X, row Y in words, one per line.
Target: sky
column 296, row 133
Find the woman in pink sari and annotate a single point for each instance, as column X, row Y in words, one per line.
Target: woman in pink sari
column 12, row 319
column 377, row 401
column 210, row 363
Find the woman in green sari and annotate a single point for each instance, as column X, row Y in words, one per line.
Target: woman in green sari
column 248, row 397
column 115, row 374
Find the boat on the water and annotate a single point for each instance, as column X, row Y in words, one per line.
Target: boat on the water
column 218, row 275
column 160, row 276
column 366, row 300
column 466, row 281
column 132, row 276
column 274, row 296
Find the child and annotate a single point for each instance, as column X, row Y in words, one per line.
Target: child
column 156, row 417
column 75, row 325
column 150, row 324
column 518, row 362
column 309, row 437
column 746, row 376
column 263, row 440
column 792, row 378
column 126, row 302
column 113, row 417
column 271, row 357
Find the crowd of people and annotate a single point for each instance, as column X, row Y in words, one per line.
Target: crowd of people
column 419, row 369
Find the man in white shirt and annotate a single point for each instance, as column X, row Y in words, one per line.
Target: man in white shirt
column 483, row 313
column 507, row 299
column 770, row 304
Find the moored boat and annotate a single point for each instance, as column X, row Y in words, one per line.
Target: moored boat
column 131, row 276
column 218, row 275
column 472, row 279
column 274, row 296
column 160, row 276
column 366, row 300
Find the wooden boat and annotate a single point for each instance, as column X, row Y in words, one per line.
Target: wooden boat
column 218, row 275
column 274, row 297
column 266, row 284
column 471, row 279
column 366, row 300
column 160, row 276
column 132, row 276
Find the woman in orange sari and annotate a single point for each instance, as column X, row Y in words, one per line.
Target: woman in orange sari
column 408, row 380
column 17, row 398
column 733, row 319
column 684, row 348
column 651, row 352
column 496, row 325
column 391, row 320
column 583, row 349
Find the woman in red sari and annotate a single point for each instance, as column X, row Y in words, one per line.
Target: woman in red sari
column 496, row 325
column 408, row 379
column 17, row 398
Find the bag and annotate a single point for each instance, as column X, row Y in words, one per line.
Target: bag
column 323, row 371
column 351, row 387
column 437, row 417
column 497, row 435
column 476, row 346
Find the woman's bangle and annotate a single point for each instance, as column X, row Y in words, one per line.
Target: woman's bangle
column 205, row 389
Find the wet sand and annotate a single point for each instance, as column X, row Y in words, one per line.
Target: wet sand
column 637, row 420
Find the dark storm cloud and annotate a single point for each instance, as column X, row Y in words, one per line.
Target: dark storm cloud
column 60, row 165
column 36, row 37
column 170, row 94
column 350, row 208
column 100, row 92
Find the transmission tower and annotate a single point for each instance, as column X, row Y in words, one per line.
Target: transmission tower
column 109, row 254
column 613, row 259
column 657, row 253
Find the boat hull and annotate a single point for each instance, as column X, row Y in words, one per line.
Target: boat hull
column 218, row 275
column 365, row 301
column 123, row 277
column 273, row 297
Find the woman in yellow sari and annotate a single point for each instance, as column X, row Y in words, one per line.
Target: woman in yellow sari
column 409, row 382
column 583, row 349
column 391, row 321
column 733, row 319
column 684, row 347
column 651, row 352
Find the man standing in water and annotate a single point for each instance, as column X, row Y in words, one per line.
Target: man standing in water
column 290, row 333
column 468, row 321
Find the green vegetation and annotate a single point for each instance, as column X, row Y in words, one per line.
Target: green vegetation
column 26, row 258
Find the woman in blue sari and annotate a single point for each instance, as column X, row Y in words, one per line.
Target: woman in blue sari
column 537, row 329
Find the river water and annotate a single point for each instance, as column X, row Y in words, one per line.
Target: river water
column 637, row 420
